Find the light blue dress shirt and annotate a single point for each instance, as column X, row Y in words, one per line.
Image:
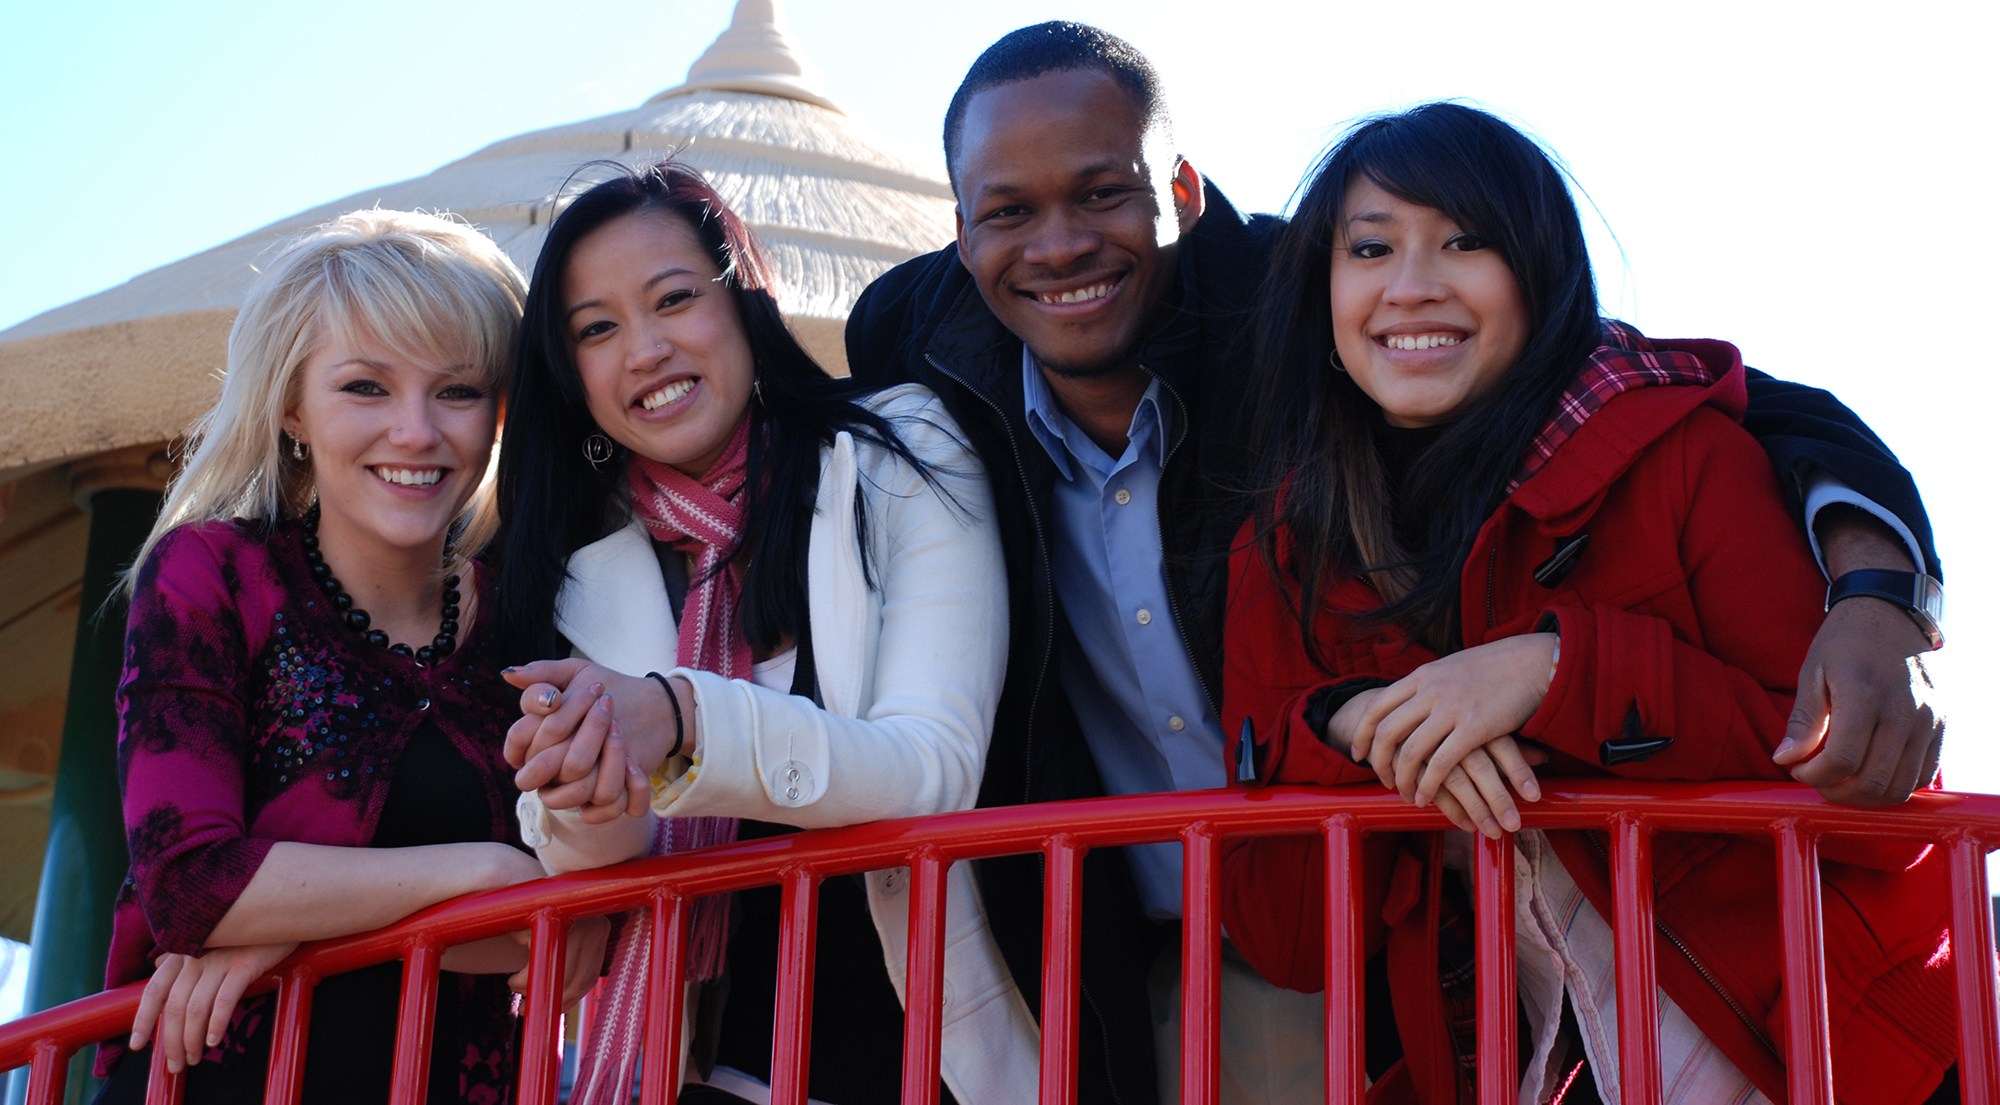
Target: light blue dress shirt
column 1134, row 688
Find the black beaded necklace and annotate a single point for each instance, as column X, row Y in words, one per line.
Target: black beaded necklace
column 356, row 618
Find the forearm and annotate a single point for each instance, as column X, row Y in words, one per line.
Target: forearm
column 1851, row 539
column 314, row 891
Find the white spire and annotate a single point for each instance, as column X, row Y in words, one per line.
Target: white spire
column 755, row 55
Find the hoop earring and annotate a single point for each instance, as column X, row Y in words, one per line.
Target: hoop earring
column 1333, row 358
column 298, row 447
column 597, row 449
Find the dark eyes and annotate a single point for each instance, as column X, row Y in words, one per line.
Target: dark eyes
column 675, row 298
column 1374, row 247
column 454, row 392
column 1369, row 250
column 1466, row 243
column 363, row 387
column 593, row 330
column 462, row 392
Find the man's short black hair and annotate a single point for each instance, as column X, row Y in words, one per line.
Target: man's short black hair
column 1051, row 47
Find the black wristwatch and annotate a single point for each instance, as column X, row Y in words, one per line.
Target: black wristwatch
column 1915, row 592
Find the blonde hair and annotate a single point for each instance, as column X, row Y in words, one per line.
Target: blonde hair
column 429, row 287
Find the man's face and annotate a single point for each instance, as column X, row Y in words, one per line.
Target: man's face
column 1059, row 220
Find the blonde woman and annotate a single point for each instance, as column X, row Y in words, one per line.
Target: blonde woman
column 310, row 715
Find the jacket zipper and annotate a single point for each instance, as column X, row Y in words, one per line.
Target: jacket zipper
column 1035, row 700
column 1160, row 516
column 1041, row 542
column 1701, row 968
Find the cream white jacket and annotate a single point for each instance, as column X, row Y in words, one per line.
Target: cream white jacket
column 910, row 671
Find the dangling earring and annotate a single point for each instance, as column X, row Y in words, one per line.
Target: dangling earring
column 757, row 389
column 1333, row 358
column 597, row 449
column 298, row 447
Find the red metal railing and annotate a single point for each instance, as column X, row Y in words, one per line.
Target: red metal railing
column 1795, row 817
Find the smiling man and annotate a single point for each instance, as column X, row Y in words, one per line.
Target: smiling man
column 1086, row 332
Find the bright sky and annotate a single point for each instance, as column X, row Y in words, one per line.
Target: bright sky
column 1793, row 178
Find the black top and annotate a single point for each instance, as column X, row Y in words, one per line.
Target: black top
column 435, row 798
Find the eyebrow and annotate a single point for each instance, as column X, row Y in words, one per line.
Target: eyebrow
column 453, row 371
column 1094, row 169
column 1371, row 217
column 663, row 274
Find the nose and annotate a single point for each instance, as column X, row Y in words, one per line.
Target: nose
column 648, row 347
column 1060, row 240
column 416, row 428
column 1415, row 280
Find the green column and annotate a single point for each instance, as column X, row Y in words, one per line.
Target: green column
column 86, row 858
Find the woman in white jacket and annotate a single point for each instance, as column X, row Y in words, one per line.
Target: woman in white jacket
column 784, row 608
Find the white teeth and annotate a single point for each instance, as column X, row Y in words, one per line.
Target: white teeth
column 1081, row 295
column 667, row 394
column 1419, row 341
column 411, row 477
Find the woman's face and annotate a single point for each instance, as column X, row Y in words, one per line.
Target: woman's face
column 664, row 360
column 398, row 446
column 1426, row 316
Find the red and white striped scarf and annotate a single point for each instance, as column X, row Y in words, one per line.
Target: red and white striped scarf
column 700, row 517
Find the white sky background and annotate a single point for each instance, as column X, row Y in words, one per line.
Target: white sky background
column 1811, row 182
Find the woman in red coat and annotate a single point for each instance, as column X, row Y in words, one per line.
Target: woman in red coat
column 1502, row 532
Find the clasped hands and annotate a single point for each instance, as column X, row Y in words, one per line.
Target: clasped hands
column 570, row 746
column 1443, row 733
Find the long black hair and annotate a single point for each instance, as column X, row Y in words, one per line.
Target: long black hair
column 553, row 501
column 1319, row 475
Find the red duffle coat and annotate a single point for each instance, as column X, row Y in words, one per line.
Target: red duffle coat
column 1691, row 610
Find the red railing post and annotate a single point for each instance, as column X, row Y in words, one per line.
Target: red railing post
column 163, row 1087
column 48, row 1074
column 541, row 1036
column 791, row 1036
column 1493, row 949
column 1808, row 1050
column 1346, row 994
column 1062, row 925
column 286, row 1074
column 1972, row 951
column 415, row 1021
column 923, row 985
column 1638, row 1007
column 1201, row 966
column 666, row 1000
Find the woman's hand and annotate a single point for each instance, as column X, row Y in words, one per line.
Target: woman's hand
column 1417, row 731
column 582, row 960
column 193, row 996
column 571, row 746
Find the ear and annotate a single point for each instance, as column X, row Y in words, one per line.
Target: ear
column 958, row 226
column 1189, row 201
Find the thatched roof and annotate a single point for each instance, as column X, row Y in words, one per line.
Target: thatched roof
column 834, row 204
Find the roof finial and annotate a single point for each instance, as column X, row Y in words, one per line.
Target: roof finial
column 755, row 55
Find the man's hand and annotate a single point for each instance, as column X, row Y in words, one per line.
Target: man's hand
column 1866, row 729
column 192, row 997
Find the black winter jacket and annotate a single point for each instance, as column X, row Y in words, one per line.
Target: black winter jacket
column 925, row 322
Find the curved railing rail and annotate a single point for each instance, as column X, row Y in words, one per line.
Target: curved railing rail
column 1793, row 816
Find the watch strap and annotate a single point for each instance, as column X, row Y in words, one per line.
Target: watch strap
column 1918, row 594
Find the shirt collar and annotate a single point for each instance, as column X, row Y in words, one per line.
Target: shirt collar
column 1064, row 442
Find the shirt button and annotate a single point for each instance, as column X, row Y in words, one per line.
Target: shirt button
column 1176, row 724
column 1145, row 617
column 1123, row 496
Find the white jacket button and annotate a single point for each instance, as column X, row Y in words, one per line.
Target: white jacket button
column 894, row 879
column 791, row 781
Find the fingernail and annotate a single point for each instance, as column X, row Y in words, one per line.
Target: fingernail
column 1784, row 746
column 1532, row 791
column 604, row 703
column 134, row 1043
column 548, row 699
column 597, row 688
column 508, row 671
column 213, row 1039
column 1489, row 828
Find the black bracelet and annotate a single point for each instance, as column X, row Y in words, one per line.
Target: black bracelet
column 680, row 723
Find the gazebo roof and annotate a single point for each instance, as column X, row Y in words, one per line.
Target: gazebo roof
column 834, row 205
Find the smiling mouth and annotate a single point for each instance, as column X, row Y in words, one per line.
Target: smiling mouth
column 1418, row 341
column 408, row 477
column 1078, row 295
column 655, row 400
